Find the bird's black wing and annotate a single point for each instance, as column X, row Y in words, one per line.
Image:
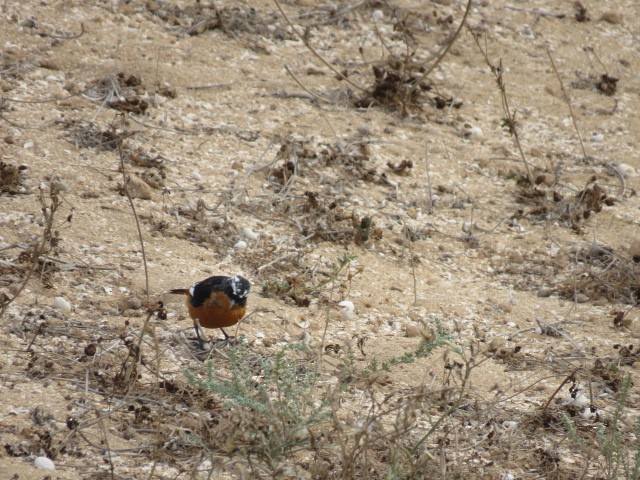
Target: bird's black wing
column 202, row 290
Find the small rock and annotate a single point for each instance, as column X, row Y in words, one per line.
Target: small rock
column 250, row 234
column 516, row 257
column 28, row 145
column 134, row 303
column 240, row 245
column 377, row 15
column 138, row 188
column 581, row 298
column 346, row 309
column 614, row 18
column 536, row 152
column 509, row 424
column 544, row 292
column 44, row 463
column 596, row 138
column 196, row 176
column 59, row 303
column 474, row 132
column 412, row 331
column 626, row 170
column 545, row 178
column 495, row 344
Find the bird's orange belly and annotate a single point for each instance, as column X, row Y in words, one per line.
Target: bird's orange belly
column 214, row 315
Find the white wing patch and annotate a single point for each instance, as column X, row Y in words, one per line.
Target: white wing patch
column 192, row 289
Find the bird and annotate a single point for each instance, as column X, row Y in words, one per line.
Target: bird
column 216, row 302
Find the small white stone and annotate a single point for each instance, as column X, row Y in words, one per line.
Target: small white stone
column 196, row 175
column 28, row 144
column 474, row 132
column 240, row 245
column 59, row 303
column 596, row 138
column 44, row 463
column 509, row 424
column 250, row 234
column 346, row 309
column 377, row 15
column 626, row 170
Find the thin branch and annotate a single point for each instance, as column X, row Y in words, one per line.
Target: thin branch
column 566, row 99
column 306, row 43
column 135, row 215
column 416, row 83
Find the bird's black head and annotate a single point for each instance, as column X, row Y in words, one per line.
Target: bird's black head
column 238, row 289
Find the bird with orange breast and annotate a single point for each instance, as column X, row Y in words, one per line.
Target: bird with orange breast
column 216, row 302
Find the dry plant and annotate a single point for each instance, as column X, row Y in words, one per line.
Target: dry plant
column 509, row 122
column 33, row 258
column 399, row 81
column 279, row 410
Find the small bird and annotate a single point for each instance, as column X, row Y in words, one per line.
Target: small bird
column 217, row 302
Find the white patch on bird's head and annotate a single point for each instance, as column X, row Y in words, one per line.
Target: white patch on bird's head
column 192, row 289
column 239, row 286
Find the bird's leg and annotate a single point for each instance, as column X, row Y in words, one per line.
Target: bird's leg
column 228, row 340
column 198, row 328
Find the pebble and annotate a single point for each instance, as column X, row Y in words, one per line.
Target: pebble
column 545, row 178
column 509, row 424
column 412, row 331
column 138, row 188
column 474, row 132
column 626, row 170
column 250, row 234
column 581, row 298
column 44, row 463
column 596, row 138
column 544, row 292
column 196, row 175
column 28, row 145
column 614, row 18
column 346, row 309
column 240, row 245
column 134, row 303
column 60, row 303
column 377, row 15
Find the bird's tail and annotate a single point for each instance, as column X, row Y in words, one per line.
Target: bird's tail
column 183, row 291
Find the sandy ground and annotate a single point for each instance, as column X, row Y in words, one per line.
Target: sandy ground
column 249, row 169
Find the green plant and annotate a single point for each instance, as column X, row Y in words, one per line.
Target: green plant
column 272, row 398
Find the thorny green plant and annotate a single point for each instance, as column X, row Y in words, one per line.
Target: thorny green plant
column 439, row 337
column 281, row 408
column 274, row 392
